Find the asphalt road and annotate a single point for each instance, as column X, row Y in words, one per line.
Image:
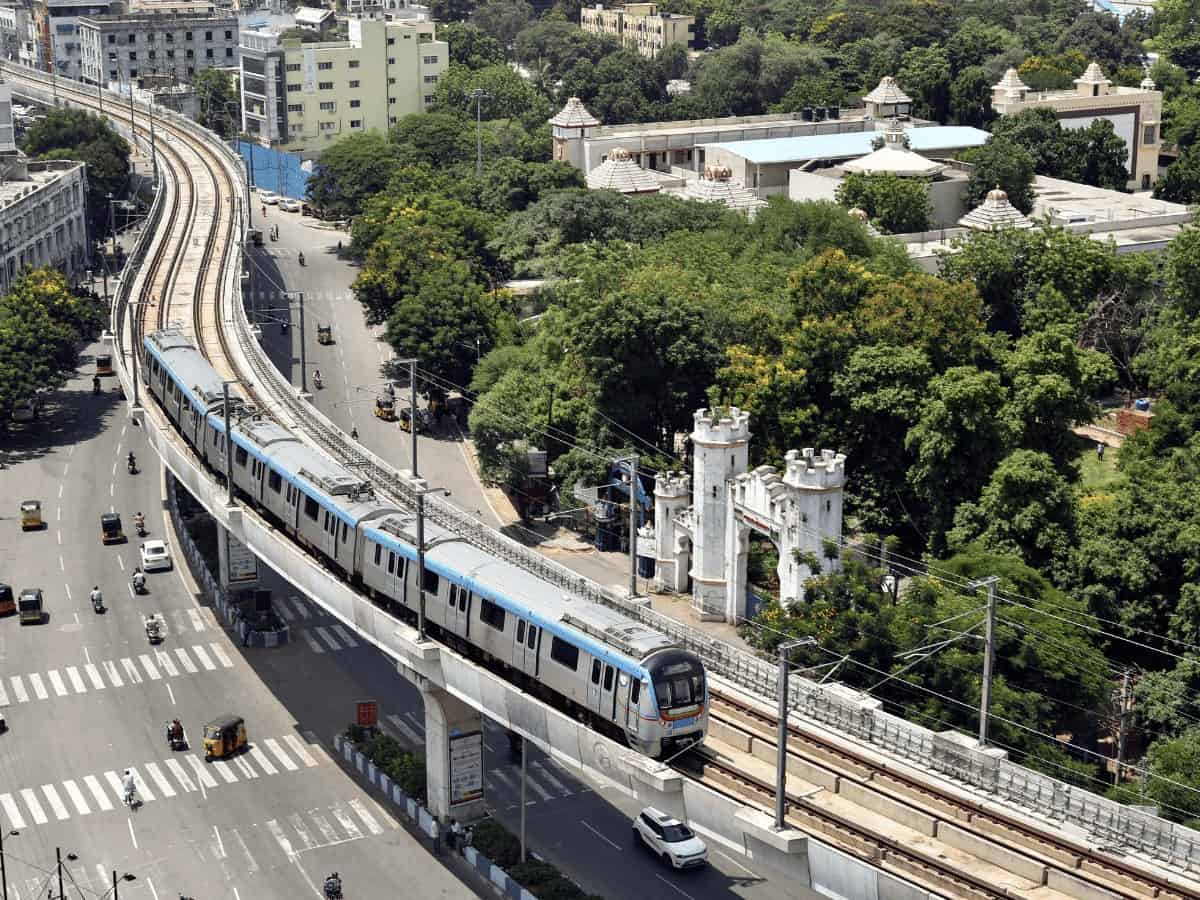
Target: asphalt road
column 584, row 828
column 86, row 696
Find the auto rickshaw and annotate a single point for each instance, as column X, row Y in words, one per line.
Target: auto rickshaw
column 254, row 235
column 324, row 334
column 104, row 364
column 8, row 603
column 385, row 407
column 110, row 528
column 422, row 420
column 224, row 736
column 31, row 515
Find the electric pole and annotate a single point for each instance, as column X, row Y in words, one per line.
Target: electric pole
column 633, row 527
column 985, row 698
column 479, row 95
column 1122, row 710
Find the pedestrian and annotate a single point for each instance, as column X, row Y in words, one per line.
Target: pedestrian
column 468, row 837
column 1100, row 451
column 452, row 835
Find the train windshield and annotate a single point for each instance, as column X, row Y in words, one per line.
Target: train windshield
column 679, row 683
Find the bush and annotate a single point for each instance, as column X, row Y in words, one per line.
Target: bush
column 495, row 842
column 404, row 768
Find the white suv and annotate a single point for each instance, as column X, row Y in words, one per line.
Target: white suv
column 669, row 839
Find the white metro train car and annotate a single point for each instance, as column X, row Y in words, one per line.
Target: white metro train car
column 621, row 676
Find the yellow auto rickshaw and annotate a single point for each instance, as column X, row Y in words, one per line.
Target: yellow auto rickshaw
column 406, row 423
column 224, row 736
column 385, row 407
column 31, row 515
column 104, row 365
column 324, row 334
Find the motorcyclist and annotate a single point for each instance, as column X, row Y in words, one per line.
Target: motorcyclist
column 139, row 522
column 317, row 378
column 301, row 257
column 353, row 434
column 139, row 579
column 333, row 886
column 131, row 461
column 128, row 784
column 95, row 384
column 97, row 597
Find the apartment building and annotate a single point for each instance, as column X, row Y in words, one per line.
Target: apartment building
column 19, row 35
column 123, row 48
column 302, row 97
column 639, row 26
column 1135, row 114
column 61, row 51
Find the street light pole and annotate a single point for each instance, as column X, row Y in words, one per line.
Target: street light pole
column 303, row 351
column 3, row 870
column 133, row 348
column 989, row 652
column 782, row 734
column 479, row 95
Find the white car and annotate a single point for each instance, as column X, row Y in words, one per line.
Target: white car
column 268, row 198
column 25, row 410
column 289, row 205
column 669, row 839
column 155, row 556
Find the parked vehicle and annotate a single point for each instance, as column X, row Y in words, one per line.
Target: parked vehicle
column 30, row 606
column 31, row 515
column 8, row 602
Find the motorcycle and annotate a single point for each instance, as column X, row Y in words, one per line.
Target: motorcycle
column 97, row 605
column 318, row 382
column 301, row 259
column 333, row 887
column 131, row 465
column 139, row 583
column 95, row 385
column 141, row 529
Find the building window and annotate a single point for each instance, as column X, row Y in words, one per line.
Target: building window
column 355, row 104
column 170, row 37
column 328, row 126
column 329, row 106
column 170, row 54
column 229, row 35
column 208, row 54
column 391, row 101
column 428, row 99
column 112, row 38
column 133, row 56
column 229, row 53
column 208, row 35
column 391, row 60
column 131, row 39
column 293, row 88
column 297, row 108
column 431, row 79
column 431, row 60
column 152, row 54
column 187, row 36
column 1148, row 134
column 325, row 85
column 353, row 64
column 191, row 54
column 324, row 66
column 293, row 67
column 392, row 41
column 356, row 123
column 354, row 84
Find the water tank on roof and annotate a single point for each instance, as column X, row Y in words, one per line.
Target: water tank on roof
column 806, row 114
column 819, row 114
column 1142, row 404
column 537, row 463
column 833, row 112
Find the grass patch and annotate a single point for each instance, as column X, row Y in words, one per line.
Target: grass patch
column 1097, row 476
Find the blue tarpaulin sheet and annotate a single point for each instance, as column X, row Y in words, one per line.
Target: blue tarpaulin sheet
column 274, row 170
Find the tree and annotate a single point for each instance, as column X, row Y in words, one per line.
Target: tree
column 1036, row 131
column 895, row 205
column 925, row 74
column 1178, row 38
column 1174, row 781
column 78, row 135
column 217, row 91
column 452, row 10
column 1181, row 182
column 1094, row 155
column 1183, row 271
column 1003, row 164
column 502, row 19
column 351, row 171
column 436, row 139
column 1098, row 36
column 441, row 320
column 469, row 46
column 508, row 94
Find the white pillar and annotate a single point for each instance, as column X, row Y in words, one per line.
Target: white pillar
column 671, row 551
column 453, row 757
column 721, row 450
column 814, row 517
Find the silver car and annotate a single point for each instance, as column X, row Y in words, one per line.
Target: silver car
column 669, row 839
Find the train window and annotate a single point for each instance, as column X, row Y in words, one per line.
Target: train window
column 520, row 631
column 463, row 596
column 310, row 507
column 595, row 671
column 343, row 532
column 532, row 640
column 274, row 481
column 453, row 595
column 635, row 692
column 491, row 614
column 325, row 522
column 240, row 456
column 378, row 553
column 608, row 678
column 391, row 562
column 430, row 585
column 564, row 654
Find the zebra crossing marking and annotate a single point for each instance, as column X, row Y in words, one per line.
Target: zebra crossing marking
column 277, row 752
column 222, row 768
column 148, row 665
column 56, row 682
column 281, row 838
column 93, row 675
column 34, row 807
column 131, row 670
column 114, row 782
column 298, row 826
column 329, row 639
column 13, row 814
column 76, row 680
column 297, row 746
column 363, row 813
column 197, row 621
column 18, row 687
column 160, row 780
column 110, row 668
column 325, row 827
column 201, row 772
column 143, row 791
column 245, row 767
column 164, row 661
column 97, row 790
column 202, row 655
column 221, row 655
column 180, row 775
column 554, row 782
column 3, row 694
column 405, row 729
column 311, row 641
column 300, row 606
column 186, row 661
column 39, row 689
column 76, row 796
column 345, row 821
column 261, row 758
column 345, row 635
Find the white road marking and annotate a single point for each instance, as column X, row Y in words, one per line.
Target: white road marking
column 110, row 669
column 306, row 842
column 15, row 819
column 97, row 790
column 114, row 782
column 220, row 844
column 406, row 729
column 59, row 533
column 345, row 821
column 329, row 639
column 76, row 796
column 277, row 752
column 93, row 675
column 148, row 665
column 345, row 635
column 251, row 863
column 180, row 775
column 62, row 565
column 202, row 655
column 297, row 746
column 131, row 671
column 171, row 694
column 18, row 687
column 363, row 813
column 76, row 680
column 281, row 838
column 3, row 695
column 301, row 606
column 244, row 766
column 133, row 837
column 185, row 661
column 286, row 611
column 537, row 788
column 201, row 772
column 326, row 828
column 612, row 844
column 60, row 490
column 164, row 785
column 311, row 641
column 224, row 771
column 140, row 783
column 553, row 782
column 38, row 687
column 504, row 779
column 221, row 655
column 164, row 659
column 120, row 563
column 194, row 615
column 672, row 887
column 68, row 590
column 34, row 807
column 729, row 858
column 261, row 758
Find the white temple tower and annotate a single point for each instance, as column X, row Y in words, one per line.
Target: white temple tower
column 721, row 451
column 814, row 518
column 672, row 545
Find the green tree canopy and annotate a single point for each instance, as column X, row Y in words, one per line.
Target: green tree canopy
column 350, row 172
column 893, row 204
column 1003, row 164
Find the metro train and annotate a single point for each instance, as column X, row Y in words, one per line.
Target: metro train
column 623, row 678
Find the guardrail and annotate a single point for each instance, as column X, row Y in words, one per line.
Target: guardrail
column 853, row 715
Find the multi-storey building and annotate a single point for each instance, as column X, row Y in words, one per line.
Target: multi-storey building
column 302, row 97
column 1135, row 114
column 61, row 52
column 122, row 48
column 19, row 36
column 639, row 26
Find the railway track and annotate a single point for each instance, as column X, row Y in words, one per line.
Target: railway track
column 884, row 788
column 183, row 283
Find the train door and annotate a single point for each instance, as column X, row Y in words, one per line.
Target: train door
column 525, row 647
column 622, row 698
column 593, row 686
column 608, row 694
column 458, row 611
column 633, row 716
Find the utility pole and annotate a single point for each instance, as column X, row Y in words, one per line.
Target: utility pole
column 479, row 95
column 3, row 870
column 133, row 348
column 228, row 445
column 420, row 562
column 303, row 350
column 1121, row 720
column 989, row 652
column 114, row 887
column 412, row 410
column 633, row 527
column 58, row 857
column 781, row 734
column 153, row 156
column 247, row 168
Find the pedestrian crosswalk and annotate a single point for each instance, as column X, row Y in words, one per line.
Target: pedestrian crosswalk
column 140, row 669
column 181, row 773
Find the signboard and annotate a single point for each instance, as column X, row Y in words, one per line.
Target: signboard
column 367, row 713
column 466, row 768
column 646, row 548
column 243, row 564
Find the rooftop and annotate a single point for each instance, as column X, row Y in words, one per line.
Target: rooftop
column 727, row 123
column 620, row 173
column 41, row 174
column 308, row 15
column 850, row 145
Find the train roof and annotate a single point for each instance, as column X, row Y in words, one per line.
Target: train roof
column 188, row 366
column 264, row 432
column 519, row 591
column 317, row 469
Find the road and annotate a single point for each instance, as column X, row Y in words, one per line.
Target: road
column 584, row 828
column 85, row 697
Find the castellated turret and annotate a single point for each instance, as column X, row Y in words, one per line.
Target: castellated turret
column 672, row 546
column 720, row 452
